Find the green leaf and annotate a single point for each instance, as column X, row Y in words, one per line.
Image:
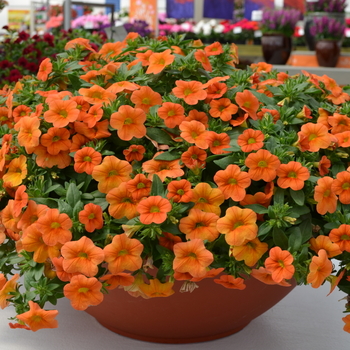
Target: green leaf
column 76, row 82
column 64, row 207
column 223, row 163
column 171, row 228
column 257, row 208
column 73, row 194
column 159, row 136
column 52, row 188
column 295, row 239
column 79, row 206
column 331, row 225
column 298, row 196
column 101, row 202
column 264, row 229
column 297, row 211
column 279, row 237
column 157, row 188
column 306, row 228
column 263, row 98
column 278, row 197
column 168, row 156
column 38, row 271
column 50, row 202
column 304, row 255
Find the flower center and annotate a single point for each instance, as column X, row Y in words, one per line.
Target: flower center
column 262, row 164
column 232, row 181
column 140, row 185
column 83, row 290
column 292, row 174
column 91, row 216
column 127, row 121
column 181, row 192
column 87, row 159
column 154, row 209
column 345, row 186
column 55, row 225
column 146, row 101
column 345, row 237
column 82, row 255
column 237, row 224
column 188, row 92
column 251, row 140
column 312, row 137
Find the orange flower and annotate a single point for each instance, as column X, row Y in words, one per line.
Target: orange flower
column 194, row 157
column 56, row 140
column 111, row 173
column 7, row 288
column 203, row 59
column 61, row 113
column 292, row 175
column 122, row 203
column 199, row 116
column 238, row 226
column 325, row 196
column 223, row 109
column 158, row 61
column 216, row 90
column 199, row 224
column 346, row 320
column 324, row 242
column 280, row 264
column 37, row 318
column 61, row 274
column 139, row 186
column 79, row 42
column 251, row 140
column 99, row 131
column 31, row 214
column 97, row 94
column 168, row 240
column 123, row 253
column 46, row 160
column 324, row 165
column 153, row 209
column 55, row 227
column 192, row 257
column 134, row 152
column 179, row 191
column 262, row 67
column 341, row 187
column 173, row 114
column 29, row 133
column 157, row 289
column 214, row 49
column 230, row 282
column 109, row 50
column 32, row 242
column 17, row 171
column 320, row 268
column 86, row 159
column 21, row 200
column 265, row 276
column 143, row 57
column 250, row 252
column 218, row 143
column 207, row 198
column 262, row 165
column 194, row 132
column 45, row 69
column 91, row 217
column 122, row 86
column 341, row 236
column 190, row 91
column 93, row 116
column 129, row 122
column 82, row 256
column 83, row 292
column 232, row 182
column 315, row 136
column 120, row 279
column 145, row 98
column 339, row 123
column 162, row 168
column 248, row 102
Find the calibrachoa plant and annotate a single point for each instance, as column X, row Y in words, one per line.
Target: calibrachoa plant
column 280, row 21
column 153, row 161
column 21, row 54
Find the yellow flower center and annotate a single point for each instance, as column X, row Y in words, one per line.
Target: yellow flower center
column 91, row 216
column 63, row 114
column 83, row 290
column 326, row 193
column 87, row 159
column 292, row 174
column 82, row 255
column 127, row 121
column 232, row 181
column 187, row 92
column 146, row 101
column 181, row 192
column 262, row 164
column 55, row 225
column 238, row 224
column 345, row 186
column 55, row 138
column 140, row 185
column 122, row 252
column 251, row 140
column 312, row 137
column 154, row 209
column 171, row 113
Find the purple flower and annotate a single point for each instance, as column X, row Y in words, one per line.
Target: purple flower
column 327, row 28
column 280, row 21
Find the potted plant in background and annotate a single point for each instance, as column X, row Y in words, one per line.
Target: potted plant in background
column 278, row 27
column 153, row 177
column 318, row 9
column 328, row 33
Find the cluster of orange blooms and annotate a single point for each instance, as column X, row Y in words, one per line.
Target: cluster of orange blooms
column 147, row 142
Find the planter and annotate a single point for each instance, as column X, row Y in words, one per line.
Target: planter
column 308, row 20
column 328, row 52
column 209, row 312
column 276, row 48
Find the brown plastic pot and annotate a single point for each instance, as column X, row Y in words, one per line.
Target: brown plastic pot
column 209, row 312
column 276, row 48
column 327, row 52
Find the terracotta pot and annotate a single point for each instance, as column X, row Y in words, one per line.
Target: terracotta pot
column 276, row 48
column 308, row 21
column 327, row 52
column 209, row 312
